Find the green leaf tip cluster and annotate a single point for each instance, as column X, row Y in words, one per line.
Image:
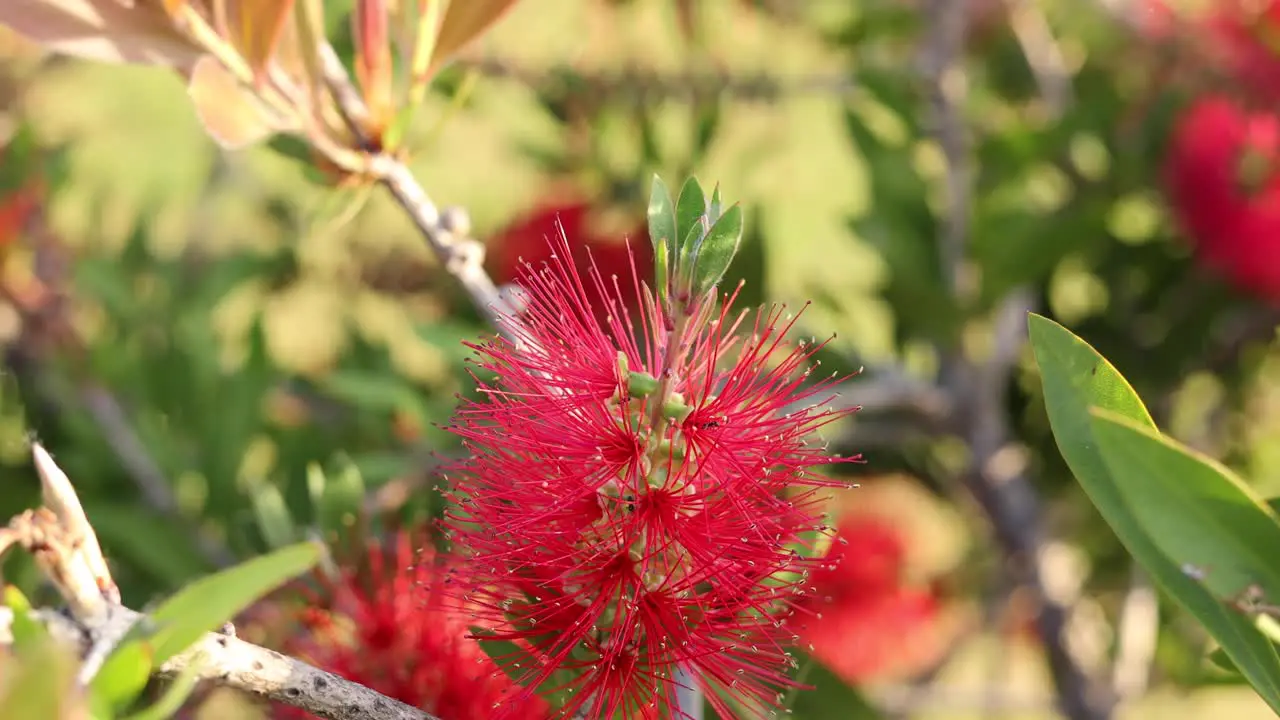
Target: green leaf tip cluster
column 694, row 239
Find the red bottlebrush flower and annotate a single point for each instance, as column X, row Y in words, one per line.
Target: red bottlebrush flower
column 526, row 241
column 638, row 492
column 1221, row 180
column 387, row 626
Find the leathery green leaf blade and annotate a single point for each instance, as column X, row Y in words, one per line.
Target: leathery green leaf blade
column 1075, row 378
column 1195, row 510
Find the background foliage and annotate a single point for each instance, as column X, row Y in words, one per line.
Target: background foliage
column 247, row 321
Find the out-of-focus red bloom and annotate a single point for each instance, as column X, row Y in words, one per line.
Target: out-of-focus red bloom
column 1155, row 20
column 15, row 211
column 386, row 626
column 617, row 537
column 870, row 624
column 1244, row 37
column 526, row 240
column 1221, row 180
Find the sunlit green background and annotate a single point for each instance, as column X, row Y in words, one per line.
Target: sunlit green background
column 251, row 320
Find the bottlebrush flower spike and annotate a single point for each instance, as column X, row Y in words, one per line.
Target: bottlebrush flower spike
column 639, row 493
column 387, row 626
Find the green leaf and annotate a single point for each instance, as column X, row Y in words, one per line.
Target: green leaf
column 1222, row 661
column 207, row 603
column 662, row 268
column 715, row 206
column 1195, row 510
column 690, row 208
column 175, row 696
column 717, row 250
column 342, row 499
column 1075, row 378
column 274, row 520
column 123, row 676
column 25, row 630
column 662, row 214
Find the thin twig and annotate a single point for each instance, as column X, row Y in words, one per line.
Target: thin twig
column 138, row 464
column 943, row 67
column 640, row 86
column 445, row 231
column 44, row 323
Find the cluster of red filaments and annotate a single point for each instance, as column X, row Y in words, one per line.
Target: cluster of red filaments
column 385, row 623
column 638, row 507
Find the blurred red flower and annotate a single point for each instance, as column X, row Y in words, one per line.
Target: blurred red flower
column 1244, row 36
column 15, row 211
column 387, row 625
column 870, row 623
column 1220, row 176
column 527, row 240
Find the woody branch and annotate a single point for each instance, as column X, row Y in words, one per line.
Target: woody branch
column 62, row 541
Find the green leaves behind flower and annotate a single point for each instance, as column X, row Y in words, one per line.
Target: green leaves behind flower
column 694, row 238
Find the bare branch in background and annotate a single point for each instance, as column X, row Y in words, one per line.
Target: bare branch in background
column 1139, row 631
column 979, row 386
column 640, row 86
column 447, row 231
column 1043, row 53
column 65, row 547
column 942, row 64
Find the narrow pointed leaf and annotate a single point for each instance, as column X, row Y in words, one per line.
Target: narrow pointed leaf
column 690, row 208
column 24, row 629
column 464, row 21
column 105, row 30
column 1075, row 378
column 124, row 675
column 662, row 214
column 274, row 520
column 231, row 115
column 259, row 25
column 1197, row 511
column 206, row 604
column 340, row 505
column 718, row 250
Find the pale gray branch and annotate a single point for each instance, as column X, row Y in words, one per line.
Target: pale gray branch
column 230, row 662
column 447, row 231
